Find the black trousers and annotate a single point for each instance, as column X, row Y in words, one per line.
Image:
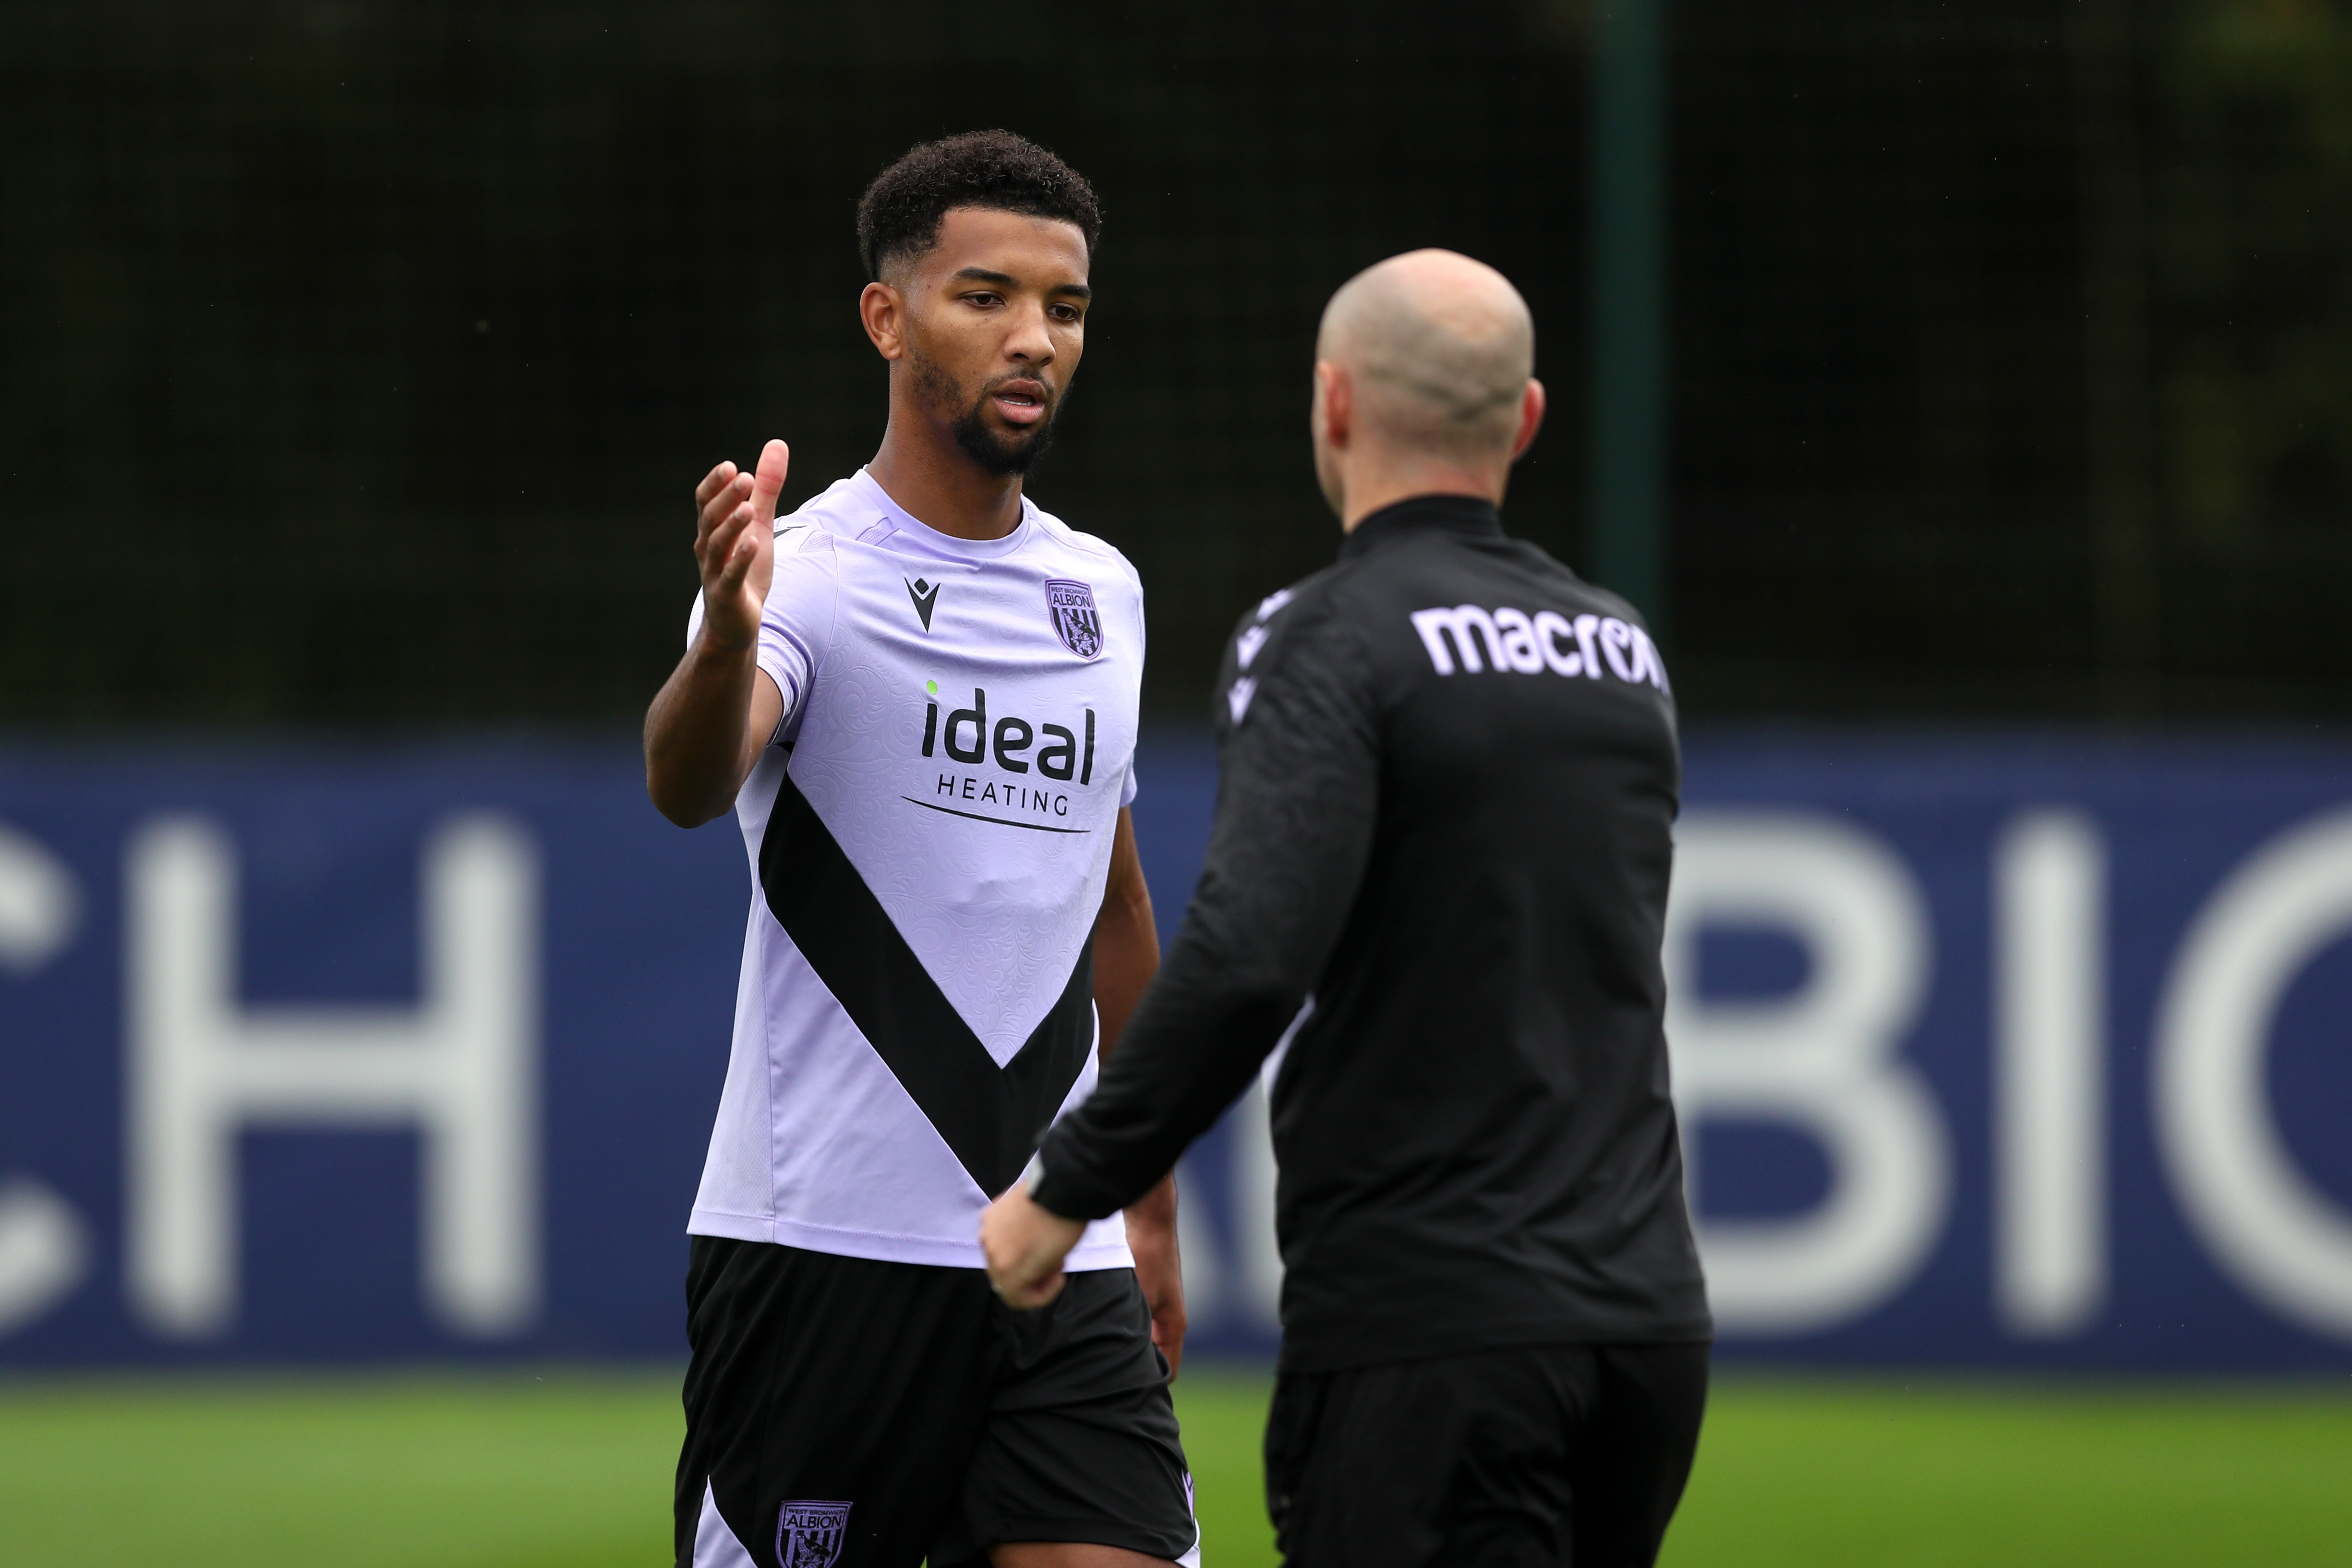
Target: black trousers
column 1529, row 1457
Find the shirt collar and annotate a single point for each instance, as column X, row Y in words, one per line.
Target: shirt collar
column 1473, row 515
column 905, row 526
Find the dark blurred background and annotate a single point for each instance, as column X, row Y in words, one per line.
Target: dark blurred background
column 359, row 357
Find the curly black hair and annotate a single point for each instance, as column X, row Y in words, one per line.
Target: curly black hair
column 899, row 214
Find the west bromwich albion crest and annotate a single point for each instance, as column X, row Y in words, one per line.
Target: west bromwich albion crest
column 810, row 1534
column 1075, row 621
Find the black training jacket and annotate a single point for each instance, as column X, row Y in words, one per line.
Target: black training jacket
column 1438, row 875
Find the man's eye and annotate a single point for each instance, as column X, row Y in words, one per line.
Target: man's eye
column 982, row 300
column 1066, row 312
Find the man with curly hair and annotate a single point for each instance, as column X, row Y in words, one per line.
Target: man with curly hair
column 919, row 694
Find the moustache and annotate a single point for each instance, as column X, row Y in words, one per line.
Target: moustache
column 1048, row 395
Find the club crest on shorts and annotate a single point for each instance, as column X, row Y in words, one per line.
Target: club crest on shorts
column 810, row 1534
column 1076, row 622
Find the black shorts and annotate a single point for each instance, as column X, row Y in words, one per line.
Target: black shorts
column 844, row 1412
column 1537, row 1457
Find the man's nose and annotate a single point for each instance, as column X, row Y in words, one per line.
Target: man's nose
column 1030, row 340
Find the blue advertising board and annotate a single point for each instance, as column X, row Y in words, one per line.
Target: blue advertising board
column 1992, row 1051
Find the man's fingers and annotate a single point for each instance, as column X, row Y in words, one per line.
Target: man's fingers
column 775, row 457
column 718, row 531
column 720, row 505
column 713, row 482
column 718, row 547
column 723, row 518
column 723, row 503
column 1029, row 1295
column 1025, row 1246
column 1022, row 1284
column 1038, row 1283
column 733, row 568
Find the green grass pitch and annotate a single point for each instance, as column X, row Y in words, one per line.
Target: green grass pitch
column 522, row 1470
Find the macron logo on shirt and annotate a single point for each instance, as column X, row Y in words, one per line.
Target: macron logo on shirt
column 1472, row 640
column 926, row 595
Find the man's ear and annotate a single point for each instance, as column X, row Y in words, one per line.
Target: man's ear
column 883, row 310
column 1335, row 404
column 1531, row 416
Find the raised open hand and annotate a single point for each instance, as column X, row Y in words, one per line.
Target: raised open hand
column 734, row 544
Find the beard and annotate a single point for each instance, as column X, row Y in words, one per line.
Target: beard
column 993, row 450
column 999, row 453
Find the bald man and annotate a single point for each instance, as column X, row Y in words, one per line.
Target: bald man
column 1431, row 910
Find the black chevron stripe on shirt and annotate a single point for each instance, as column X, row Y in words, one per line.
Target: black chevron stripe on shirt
column 992, row 1117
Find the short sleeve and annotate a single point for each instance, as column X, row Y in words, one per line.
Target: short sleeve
column 796, row 624
column 1126, row 789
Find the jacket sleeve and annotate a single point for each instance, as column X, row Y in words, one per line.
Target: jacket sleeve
column 1295, row 805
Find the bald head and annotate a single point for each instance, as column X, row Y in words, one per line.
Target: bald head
column 1439, row 348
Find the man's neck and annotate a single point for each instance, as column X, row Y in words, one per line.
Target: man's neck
column 920, row 466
